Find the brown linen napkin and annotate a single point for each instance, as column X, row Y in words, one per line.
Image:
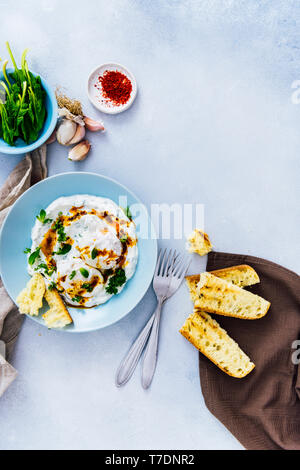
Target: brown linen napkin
column 28, row 172
column 262, row 410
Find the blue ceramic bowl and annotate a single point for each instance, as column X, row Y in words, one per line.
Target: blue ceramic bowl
column 49, row 126
column 16, row 236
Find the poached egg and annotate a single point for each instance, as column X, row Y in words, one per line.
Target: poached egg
column 85, row 247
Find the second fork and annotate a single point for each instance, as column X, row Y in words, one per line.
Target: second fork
column 178, row 272
column 167, row 279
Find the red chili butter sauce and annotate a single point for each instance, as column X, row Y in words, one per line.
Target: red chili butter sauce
column 49, row 242
column 115, row 87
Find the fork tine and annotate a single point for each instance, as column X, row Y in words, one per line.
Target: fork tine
column 162, row 263
column 167, row 264
column 171, row 262
column 181, row 267
column 173, row 256
column 158, row 263
column 185, row 270
column 178, row 266
column 174, row 261
column 177, row 262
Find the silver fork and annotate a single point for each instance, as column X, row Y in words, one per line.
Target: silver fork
column 164, row 286
column 178, row 273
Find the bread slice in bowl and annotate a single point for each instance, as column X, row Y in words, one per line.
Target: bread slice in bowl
column 30, row 300
column 57, row 316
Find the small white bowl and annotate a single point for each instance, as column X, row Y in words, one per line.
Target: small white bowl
column 96, row 96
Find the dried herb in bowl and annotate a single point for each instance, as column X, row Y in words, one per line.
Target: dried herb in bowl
column 22, row 105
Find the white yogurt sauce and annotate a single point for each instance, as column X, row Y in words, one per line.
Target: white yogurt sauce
column 85, row 242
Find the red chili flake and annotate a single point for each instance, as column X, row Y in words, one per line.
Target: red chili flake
column 116, row 87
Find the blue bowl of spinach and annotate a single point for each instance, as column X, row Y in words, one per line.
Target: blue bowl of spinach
column 28, row 108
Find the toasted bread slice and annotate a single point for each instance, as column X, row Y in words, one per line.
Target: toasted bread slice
column 223, row 298
column 241, row 276
column 58, row 316
column 30, row 300
column 199, row 242
column 212, row 341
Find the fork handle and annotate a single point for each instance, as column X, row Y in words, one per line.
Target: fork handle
column 129, row 363
column 150, row 357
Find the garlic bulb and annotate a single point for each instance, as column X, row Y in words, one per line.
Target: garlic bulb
column 79, row 135
column 66, row 131
column 80, row 151
column 65, row 113
column 93, row 126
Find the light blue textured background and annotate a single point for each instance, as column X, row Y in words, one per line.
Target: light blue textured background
column 214, row 124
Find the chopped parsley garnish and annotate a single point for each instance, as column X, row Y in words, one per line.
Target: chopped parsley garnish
column 128, row 213
column 72, row 275
column 48, row 271
column 42, row 217
column 58, row 224
column 77, row 298
column 88, row 287
column 34, row 256
column 59, row 227
column 66, row 248
column 62, row 237
column 27, row 251
column 94, row 253
column 116, row 281
column 124, row 239
column 84, row 272
column 42, row 266
column 53, row 286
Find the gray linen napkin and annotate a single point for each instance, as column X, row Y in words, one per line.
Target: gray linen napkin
column 28, row 172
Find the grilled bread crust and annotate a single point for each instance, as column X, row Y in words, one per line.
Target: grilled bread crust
column 57, row 316
column 221, row 297
column 214, row 342
column 241, row 276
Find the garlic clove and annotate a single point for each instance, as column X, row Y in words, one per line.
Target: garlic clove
column 92, row 125
column 80, row 151
column 79, row 135
column 52, row 138
column 66, row 131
